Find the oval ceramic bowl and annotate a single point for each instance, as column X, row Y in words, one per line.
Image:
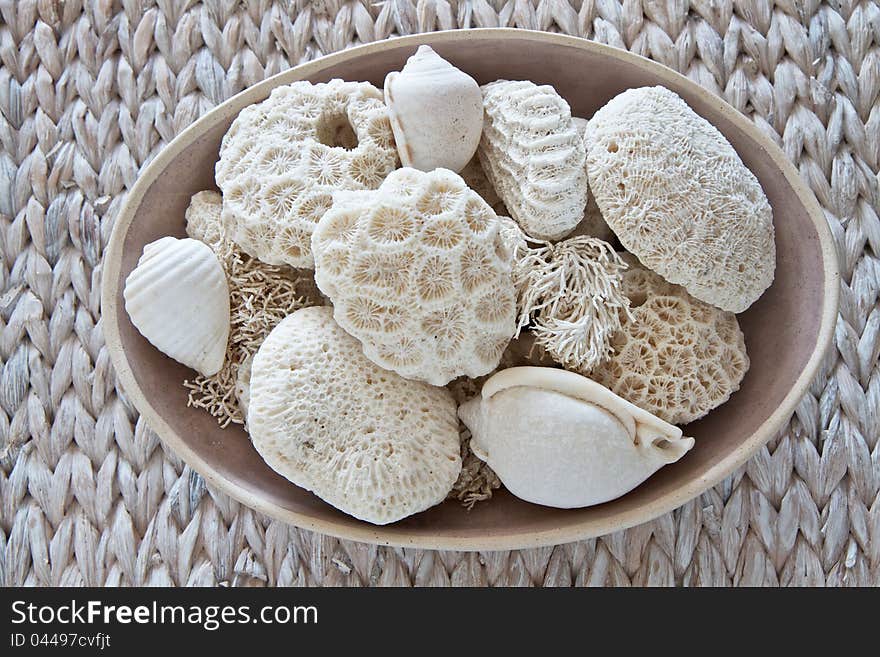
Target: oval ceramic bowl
column 787, row 330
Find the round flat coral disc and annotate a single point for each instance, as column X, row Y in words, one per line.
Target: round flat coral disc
column 363, row 439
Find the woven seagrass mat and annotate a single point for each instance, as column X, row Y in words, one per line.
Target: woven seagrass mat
column 91, row 90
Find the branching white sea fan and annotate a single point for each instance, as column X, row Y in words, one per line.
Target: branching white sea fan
column 570, row 295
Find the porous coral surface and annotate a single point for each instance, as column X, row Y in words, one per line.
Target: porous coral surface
column 418, row 272
column 283, row 158
column 678, row 357
column 203, row 220
column 677, row 195
column 365, row 440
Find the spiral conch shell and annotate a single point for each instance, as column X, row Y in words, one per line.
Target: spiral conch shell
column 178, row 298
column 436, row 112
column 560, row 439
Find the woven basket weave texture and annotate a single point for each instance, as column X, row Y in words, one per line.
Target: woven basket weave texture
column 91, row 90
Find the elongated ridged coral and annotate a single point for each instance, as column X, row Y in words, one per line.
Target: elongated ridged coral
column 533, row 154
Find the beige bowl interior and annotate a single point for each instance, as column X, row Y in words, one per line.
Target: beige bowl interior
column 786, row 330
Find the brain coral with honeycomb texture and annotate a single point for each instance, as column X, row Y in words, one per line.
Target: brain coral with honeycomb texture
column 678, row 196
column 679, row 357
column 283, row 158
column 418, row 271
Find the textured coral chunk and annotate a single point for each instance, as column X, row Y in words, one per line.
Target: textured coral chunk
column 678, row 357
column 678, row 196
column 363, row 439
column 282, row 159
column 203, row 220
column 533, row 155
column 416, row 278
column 570, row 292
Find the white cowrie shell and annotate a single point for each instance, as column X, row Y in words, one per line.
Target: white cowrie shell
column 560, row 439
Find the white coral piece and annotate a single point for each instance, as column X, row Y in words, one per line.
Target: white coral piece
column 419, row 273
column 676, row 193
column 283, row 158
column 372, row 444
column 534, row 156
column 572, row 295
column 592, row 224
column 676, row 357
column 203, row 220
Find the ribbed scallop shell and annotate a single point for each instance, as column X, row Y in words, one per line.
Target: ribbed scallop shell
column 177, row 297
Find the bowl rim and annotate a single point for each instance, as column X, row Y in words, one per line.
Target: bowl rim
column 501, row 540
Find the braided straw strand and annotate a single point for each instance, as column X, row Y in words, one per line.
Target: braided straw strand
column 90, row 92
